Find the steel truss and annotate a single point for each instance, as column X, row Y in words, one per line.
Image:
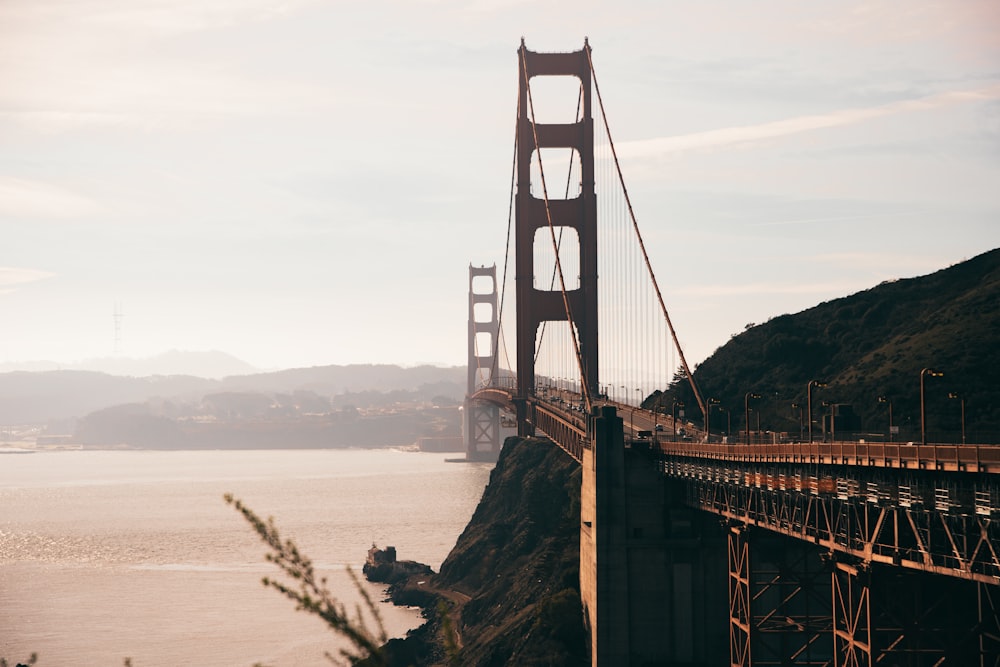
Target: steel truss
column 851, row 616
column 570, row 434
column 739, row 598
column 779, row 601
column 917, row 526
column 913, row 573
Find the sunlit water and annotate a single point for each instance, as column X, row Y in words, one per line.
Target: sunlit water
column 108, row 554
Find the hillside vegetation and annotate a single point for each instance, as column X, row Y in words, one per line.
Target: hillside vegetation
column 870, row 344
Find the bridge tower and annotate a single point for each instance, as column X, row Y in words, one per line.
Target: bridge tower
column 482, row 420
column 534, row 215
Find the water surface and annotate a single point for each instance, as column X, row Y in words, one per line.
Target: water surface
column 107, row 554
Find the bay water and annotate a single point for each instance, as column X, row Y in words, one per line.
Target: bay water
column 112, row 554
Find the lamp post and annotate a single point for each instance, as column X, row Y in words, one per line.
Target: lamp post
column 923, row 415
column 809, row 404
column 883, row 399
column 673, row 415
column 729, row 422
column 746, row 410
column 833, row 420
column 962, row 399
column 798, row 406
column 708, row 419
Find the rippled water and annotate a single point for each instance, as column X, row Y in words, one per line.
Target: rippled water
column 107, row 554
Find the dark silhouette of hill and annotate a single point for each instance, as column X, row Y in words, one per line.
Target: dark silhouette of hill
column 866, row 345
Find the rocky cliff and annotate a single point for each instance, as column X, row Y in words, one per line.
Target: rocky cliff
column 508, row 593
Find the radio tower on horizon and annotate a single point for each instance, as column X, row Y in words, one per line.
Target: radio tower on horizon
column 118, row 327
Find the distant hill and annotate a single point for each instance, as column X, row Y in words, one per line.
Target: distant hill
column 203, row 364
column 870, row 344
column 58, row 395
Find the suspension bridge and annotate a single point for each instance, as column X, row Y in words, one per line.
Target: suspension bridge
column 802, row 551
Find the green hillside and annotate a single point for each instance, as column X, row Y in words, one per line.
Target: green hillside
column 870, row 344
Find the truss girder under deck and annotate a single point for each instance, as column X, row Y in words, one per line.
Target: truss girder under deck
column 843, row 519
column 914, row 575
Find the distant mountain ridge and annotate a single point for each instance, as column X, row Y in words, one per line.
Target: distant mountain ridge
column 869, row 344
column 211, row 364
column 48, row 396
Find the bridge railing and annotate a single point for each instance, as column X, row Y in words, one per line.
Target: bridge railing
column 944, row 457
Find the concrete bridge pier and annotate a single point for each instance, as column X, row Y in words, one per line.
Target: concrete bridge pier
column 652, row 571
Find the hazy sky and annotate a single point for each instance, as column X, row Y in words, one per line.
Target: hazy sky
column 300, row 183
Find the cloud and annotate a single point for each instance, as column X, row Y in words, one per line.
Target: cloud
column 157, row 16
column 890, row 265
column 11, row 277
column 830, row 218
column 734, row 136
column 762, row 288
column 21, row 198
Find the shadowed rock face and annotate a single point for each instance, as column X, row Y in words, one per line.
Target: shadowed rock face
column 512, row 579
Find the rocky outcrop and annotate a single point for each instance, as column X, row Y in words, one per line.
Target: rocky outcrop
column 383, row 568
column 508, row 593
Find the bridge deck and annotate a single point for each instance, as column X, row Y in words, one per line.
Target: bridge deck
column 567, row 428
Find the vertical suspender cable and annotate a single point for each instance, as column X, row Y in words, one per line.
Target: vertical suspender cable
column 503, row 288
column 649, row 267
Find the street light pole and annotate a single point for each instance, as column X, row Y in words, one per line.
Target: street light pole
column 729, row 421
column 673, row 415
column 798, row 406
column 809, row 404
column 883, row 399
column 638, row 405
column 746, row 410
column 833, row 420
column 962, row 399
column 708, row 419
column 923, row 415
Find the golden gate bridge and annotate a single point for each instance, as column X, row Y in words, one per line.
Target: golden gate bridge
column 802, row 552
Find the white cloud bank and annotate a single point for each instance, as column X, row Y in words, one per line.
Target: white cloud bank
column 730, row 136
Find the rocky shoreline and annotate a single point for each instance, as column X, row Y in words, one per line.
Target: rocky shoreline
column 508, row 592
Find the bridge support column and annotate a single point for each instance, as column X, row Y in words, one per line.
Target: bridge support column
column 651, row 574
column 534, row 215
column 482, row 420
column 525, row 420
